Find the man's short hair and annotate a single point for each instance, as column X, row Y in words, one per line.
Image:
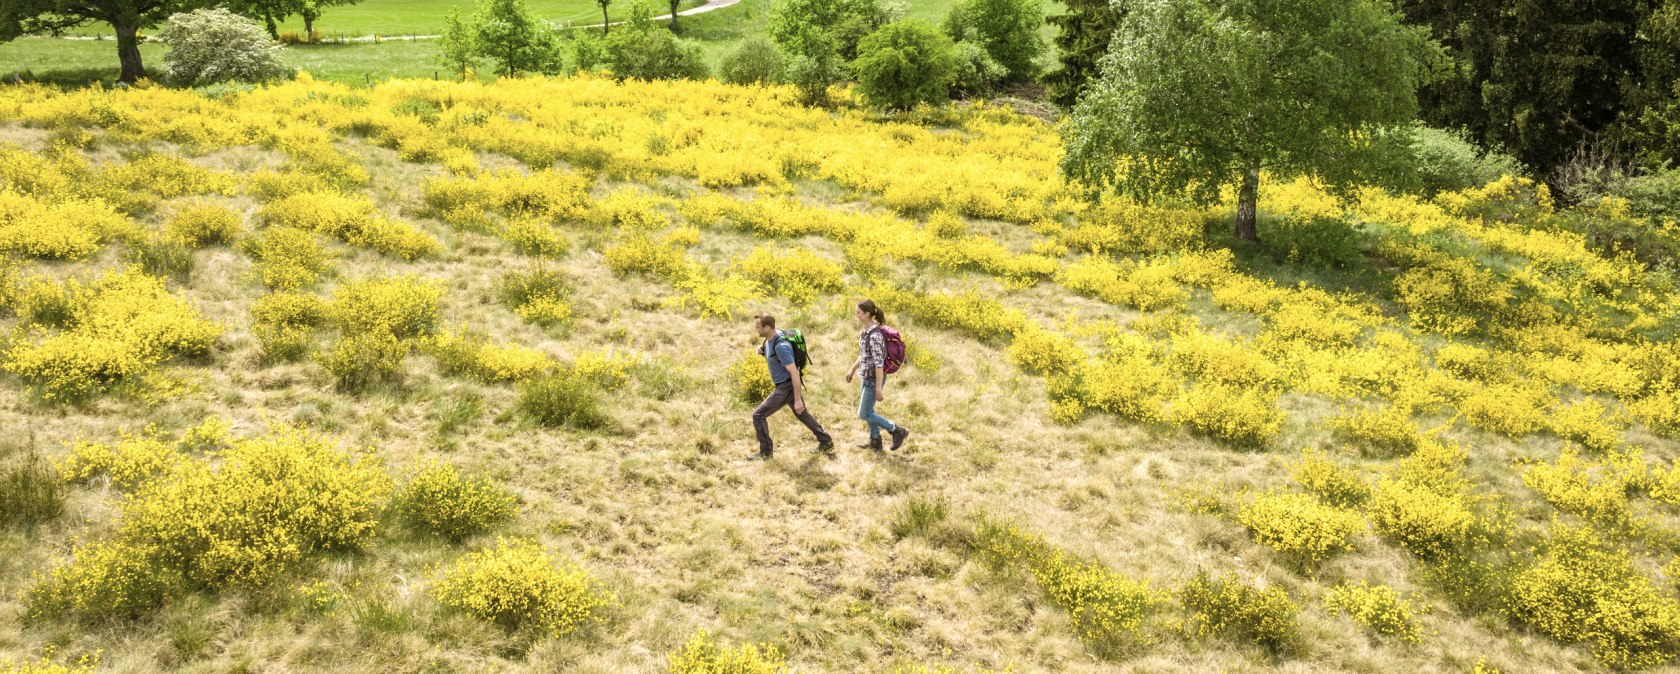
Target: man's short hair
column 767, row 320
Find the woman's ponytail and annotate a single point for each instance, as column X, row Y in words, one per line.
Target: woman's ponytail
column 869, row 307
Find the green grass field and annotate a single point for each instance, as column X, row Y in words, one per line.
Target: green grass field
column 73, row 62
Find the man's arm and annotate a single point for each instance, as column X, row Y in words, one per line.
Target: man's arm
column 798, row 389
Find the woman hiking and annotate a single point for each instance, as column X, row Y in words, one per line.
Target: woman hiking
column 872, row 358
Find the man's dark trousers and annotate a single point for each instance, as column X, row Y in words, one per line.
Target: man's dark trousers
column 783, row 396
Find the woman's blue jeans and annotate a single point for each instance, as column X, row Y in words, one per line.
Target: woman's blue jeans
column 866, row 412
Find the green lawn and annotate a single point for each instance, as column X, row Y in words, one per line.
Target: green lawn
column 81, row 61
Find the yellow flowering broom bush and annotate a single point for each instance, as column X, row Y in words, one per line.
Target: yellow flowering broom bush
column 200, row 225
column 517, row 585
column 1582, row 588
column 701, row 655
column 1378, row 607
column 1245, row 417
column 246, row 515
column 401, row 306
column 288, row 258
column 440, row 500
column 1107, row 608
column 1041, row 351
column 798, row 275
column 538, row 295
column 1228, row 607
column 352, row 219
column 1303, row 529
column 1331, row 482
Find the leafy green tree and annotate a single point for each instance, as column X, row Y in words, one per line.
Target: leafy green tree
column 126, row 17
column 505, row 32
column 819, row 37
column 905, row 63
column 754, row 60
column 1085, row 31
column 208, row 46
column 1537, row 77
column 645, row 51
column 457, row 50
column 1199, row 94
column 1007, row 29
column 272, row 12
column 311, row 12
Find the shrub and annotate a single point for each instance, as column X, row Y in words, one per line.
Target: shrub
column 400, row 306
column 1300, row 527
column 538, row 295
column 977, row 71
column 1040, row 351
column 284, row 324
column 1128, row 386
column 288, row 258
column 1428, row 524
column 1469, row 361
column 207, row 46
column 905, row 63
column 1239, row 611
column 1212, row 358
column 506, row 33
column 1107, row 608
column 1584, row 422
column 1507, row 410
column 643, row 51
column 469, row 354
column 754, row 60
column 1146, row 286
column 640, row 254
column 122, row 326
column 1330, row 481
column 1377, row 607
column 200, row 225
column 1008, row 31
column 243, row 517
column 438, row 499
column 798, row 275
column 561, row 400
column 701, row 656
column 1445, row 161
column 750, row 378
column 130, row 463
column 1317, row 240
column 1451, row 296
column 352, row 219
column 1582, row 589
column 533, row 236
column 29, row 490
column 1660, row 412
column 1388, row 429
column 517, row 585
column 1243, row 417
column 604, row 369
column 363, row 359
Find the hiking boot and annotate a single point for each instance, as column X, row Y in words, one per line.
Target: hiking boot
column 760, row 456
column 872, row 443
column 899, row 434
column 825, row 447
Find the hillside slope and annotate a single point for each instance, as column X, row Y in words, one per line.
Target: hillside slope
column 1105, row 399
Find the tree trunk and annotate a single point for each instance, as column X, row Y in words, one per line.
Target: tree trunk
column 308, row 27
column 606, row 21
column 1248, row 204
column 128, row 52
column 674, row 27
column 273, row 31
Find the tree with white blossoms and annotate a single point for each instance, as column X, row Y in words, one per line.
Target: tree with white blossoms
column 207, row 46
column 1199, row 95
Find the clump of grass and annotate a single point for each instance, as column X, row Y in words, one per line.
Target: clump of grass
column 30, row 491
column 562, row 400
column 1236, row 610
column 162, row 256
column 918, row 515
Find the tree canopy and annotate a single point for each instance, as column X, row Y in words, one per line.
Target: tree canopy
column 127, row 17
column 1197, row 95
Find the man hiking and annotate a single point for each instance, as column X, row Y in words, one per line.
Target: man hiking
column 790, row 389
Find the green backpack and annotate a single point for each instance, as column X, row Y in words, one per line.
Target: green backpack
column 801, row 353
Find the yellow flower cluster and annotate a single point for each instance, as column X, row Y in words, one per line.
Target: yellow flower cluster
column 1107, row 608
column 1300, row 527
column 604, row 368
column 284, row 323
column 1581, row 588
column 118, row 327
column 534, row 236
column 1038, row 350
column 402, row 306
column 469, row 354
column 551, row 195
column 1597, row 492
column 438, row 499
column 1331, row 482
column 288, row 258
column 1236, row 610
column 244, row 516
column 362, row 359
column 750, row 378
column 63, row 230
column 1145, row 286
column 204, row 224
column 538, row 295
column 1377, row 607
column 968, row 310
column 798, row 275
column 129, row 462
column 700, row 655
column 352, row 219
column 517, row 585
column 1246, row 417
column 167, row 176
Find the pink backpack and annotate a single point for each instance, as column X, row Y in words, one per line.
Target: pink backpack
column 895, row 349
